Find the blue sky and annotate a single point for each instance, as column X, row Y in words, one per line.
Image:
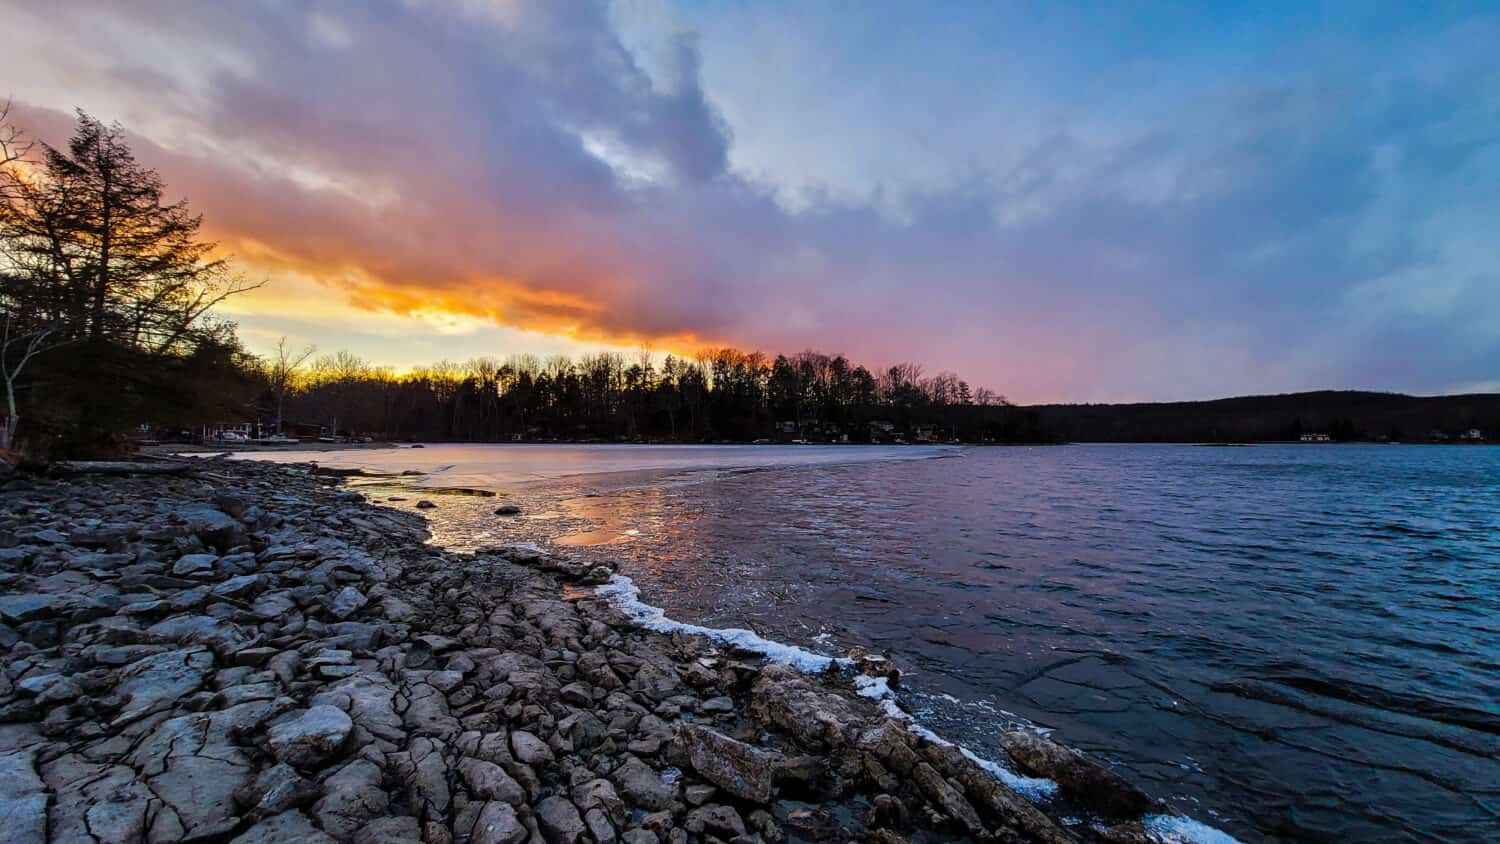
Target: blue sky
column 1084, row 201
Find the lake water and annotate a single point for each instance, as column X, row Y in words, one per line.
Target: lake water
column 1285, row 642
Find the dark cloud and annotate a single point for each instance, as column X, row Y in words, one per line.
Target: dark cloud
column 518, row 162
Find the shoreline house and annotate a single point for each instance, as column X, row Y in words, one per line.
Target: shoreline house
column 1473, row 435
column 1316, row 438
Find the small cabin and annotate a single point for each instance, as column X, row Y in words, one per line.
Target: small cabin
column 1317, row 438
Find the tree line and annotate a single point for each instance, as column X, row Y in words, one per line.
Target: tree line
column 107, row 292
column 714, row 395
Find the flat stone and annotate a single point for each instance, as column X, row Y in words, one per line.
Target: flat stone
column 23, row 799
column 402, row 829
column 224, row 637
column 744, row 771
column 352, row 796
column 193, row 765
column 240, row 586
column 157, row 681
column 95, row 802
column 307, row 738
column 425, row 774
column 20, row 609
column 286, row 828
column 190, row 565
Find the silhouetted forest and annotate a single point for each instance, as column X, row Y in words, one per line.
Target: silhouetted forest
column 720, row 394
column 1344, row 415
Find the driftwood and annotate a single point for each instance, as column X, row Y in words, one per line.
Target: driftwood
column 119, row 467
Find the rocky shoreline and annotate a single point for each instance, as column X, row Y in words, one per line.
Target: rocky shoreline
column 247, row 652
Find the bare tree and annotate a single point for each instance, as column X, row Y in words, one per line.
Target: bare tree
column 14, row 146
column 283, row 372
column 27, row 346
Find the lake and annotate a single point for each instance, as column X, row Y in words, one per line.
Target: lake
column 1296, row 642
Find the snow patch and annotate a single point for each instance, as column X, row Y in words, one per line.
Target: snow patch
column 626, row 597
column 1178, row 829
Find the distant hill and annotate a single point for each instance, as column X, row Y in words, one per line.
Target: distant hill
column 1345, row 415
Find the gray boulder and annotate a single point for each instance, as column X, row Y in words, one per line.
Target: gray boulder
column 744, row 771
column 308, row 738
column 23, row 798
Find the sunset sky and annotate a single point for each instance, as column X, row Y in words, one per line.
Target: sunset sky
column 1061, row 201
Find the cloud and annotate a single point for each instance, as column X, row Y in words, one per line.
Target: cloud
column 626, row 174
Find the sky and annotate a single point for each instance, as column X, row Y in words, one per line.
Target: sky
column 1060, row 201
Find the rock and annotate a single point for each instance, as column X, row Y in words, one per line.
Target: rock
column 424, row 504
column 240, row 586
column 194, row 767
column 394, row 830
column 153, row 682
column 599, row 826
column 307, row 738
column 599, row 794
column 285, row 828
column 643, row 786
column 190, row 565
column 559, row 821
column 347, row 602
column 352, row 795
column 277, row 789
column 94, row 802
column 530, row 749
column 425, row 775
column 427, row 712
column 716, row 705
column 213, row 527
column 497, row 824
column 744, row 771
column 1080, row 778
column 370, row 700
column 488, row 781
column 952, row 802
column 224, row 637
column 716, row 818
column 507, row 510
column 20, row 609
column 23, row 798
column 817, row 720
column 254, row 657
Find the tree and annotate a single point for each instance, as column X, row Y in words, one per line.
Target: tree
column 90, row 250
column 27, row 346
column 282, row 372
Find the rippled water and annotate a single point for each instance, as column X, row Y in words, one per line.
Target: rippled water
column 1288, row 642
